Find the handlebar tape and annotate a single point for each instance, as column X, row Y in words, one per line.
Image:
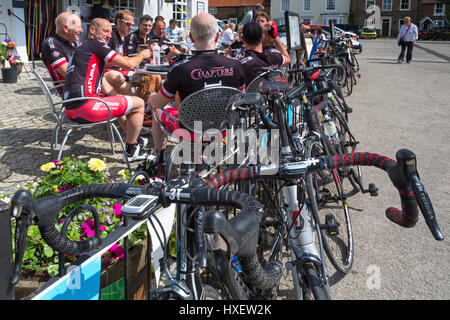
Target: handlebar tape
column 48, row 208
column 408, row 216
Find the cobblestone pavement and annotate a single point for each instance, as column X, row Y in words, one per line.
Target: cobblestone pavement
column 25, row 133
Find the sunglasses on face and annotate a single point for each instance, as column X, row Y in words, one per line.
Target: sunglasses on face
column 128, row 23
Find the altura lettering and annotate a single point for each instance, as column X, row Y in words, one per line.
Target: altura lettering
column 91, row 77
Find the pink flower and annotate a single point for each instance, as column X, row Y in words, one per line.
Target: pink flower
column 116, row 251
column 117, row 209
column 89, row 228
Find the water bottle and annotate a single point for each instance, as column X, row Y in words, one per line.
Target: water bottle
column 156, row 54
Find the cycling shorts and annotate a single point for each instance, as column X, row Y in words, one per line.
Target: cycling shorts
column 96, row 111
column 168, row 117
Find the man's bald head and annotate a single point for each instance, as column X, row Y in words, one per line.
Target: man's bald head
column 100, row 29
column 204, row 30
column 68, row 26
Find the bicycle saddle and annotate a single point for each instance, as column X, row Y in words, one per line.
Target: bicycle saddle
column 246, row 100
column 272, row 87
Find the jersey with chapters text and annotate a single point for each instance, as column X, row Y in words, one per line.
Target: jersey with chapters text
column 202, row 69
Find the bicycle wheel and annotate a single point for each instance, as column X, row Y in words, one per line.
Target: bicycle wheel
column 333, row 214
column 315, row 289
column 348, row 144
column 355, row 63
column 341, row 75
column 350, row 77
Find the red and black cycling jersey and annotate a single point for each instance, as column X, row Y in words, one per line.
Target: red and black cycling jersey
column 202, row 69
column 85, row 71
column 270, row 57
column 56, row 51
column 132, row 42
column 116, row 42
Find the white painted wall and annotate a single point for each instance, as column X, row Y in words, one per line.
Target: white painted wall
column 318, row 13
column 15, row 28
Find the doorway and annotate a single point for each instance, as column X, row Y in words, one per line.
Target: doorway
column 386, row 27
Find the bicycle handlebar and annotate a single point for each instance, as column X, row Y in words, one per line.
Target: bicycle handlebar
column 241, row 232
column 310, row 69
column 402, row 173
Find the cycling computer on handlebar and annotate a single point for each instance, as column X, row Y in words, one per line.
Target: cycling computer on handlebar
column 139, row 205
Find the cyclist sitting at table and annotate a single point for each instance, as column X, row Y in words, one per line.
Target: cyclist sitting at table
column 123, row 23
column 255, row 55
column 84, row 79
column 204, row 68
column 139, row 37
column 58, row 49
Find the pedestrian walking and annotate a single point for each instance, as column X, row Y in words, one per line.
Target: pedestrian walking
column 407, row 39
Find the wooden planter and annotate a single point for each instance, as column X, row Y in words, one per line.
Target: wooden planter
column 109, row 275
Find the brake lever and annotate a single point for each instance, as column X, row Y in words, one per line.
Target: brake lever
column 20, row 210
column 425, row 206
column 408, row 160
column 22, row 225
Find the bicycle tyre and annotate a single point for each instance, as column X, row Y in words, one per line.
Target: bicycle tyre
column 349, row 83
column 341, row 75
column 330, row 199
column 315, row 286
column 348, row 144
column 355, row 62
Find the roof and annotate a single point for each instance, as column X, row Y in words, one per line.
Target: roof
column 233, row 3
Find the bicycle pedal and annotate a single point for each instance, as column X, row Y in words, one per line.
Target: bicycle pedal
column 331, row 225
column 373, row 189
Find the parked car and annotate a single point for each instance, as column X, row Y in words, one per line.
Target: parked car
column 369, row 33
column 350, row 28
column 424, row 34
column 356, row 44
column 440, row 33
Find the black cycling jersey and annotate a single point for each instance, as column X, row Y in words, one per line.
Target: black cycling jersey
column 56, row 51
column 85, row 71
column 132, row 42
column 116, row 42
column 270, row 57
column 202, row 69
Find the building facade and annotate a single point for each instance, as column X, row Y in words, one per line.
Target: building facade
column 234, row 9
column 312, row 11
column 433, row 13
column 388, row 14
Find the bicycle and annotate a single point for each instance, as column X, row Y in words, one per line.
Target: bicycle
column 403, row 174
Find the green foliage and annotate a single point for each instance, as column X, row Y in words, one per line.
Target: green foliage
column 351, row 18
column 62, row 176
column 3, row 55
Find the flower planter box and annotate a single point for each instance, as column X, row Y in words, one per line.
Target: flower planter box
column 109, row 275
column 137, row 272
